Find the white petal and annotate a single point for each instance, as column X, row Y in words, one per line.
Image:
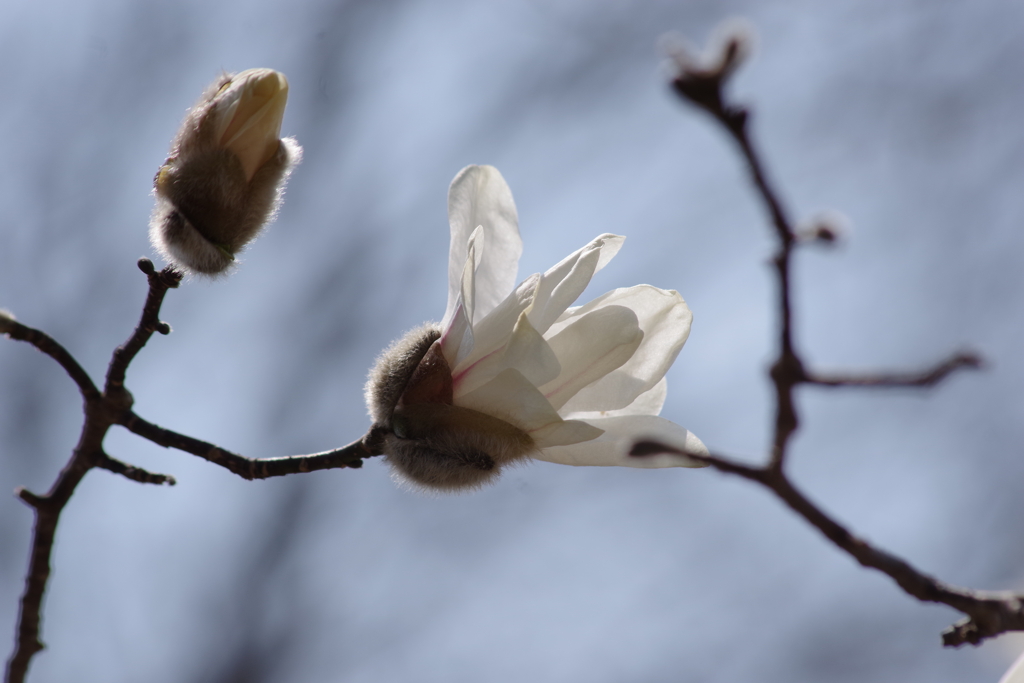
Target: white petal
column 648, row 403
column 457, row 332
column 479, row 196
column 456, row 335
column 561, row 285
column 665, row 319
column 512, row 398
column 492, row 333
column 565, row 433
column 591, row 347
column 545, row 296
column 525, row 351
column 1015, row 674
column 620, row 433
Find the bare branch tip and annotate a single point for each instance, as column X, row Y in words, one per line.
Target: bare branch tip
column 171, row 277
column 700, row 78
column 7, row 321
column 146, row 266
column 29, row 497
column 163, row 328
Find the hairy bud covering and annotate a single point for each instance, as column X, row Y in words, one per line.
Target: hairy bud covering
column 429, row 442
column 225, row 176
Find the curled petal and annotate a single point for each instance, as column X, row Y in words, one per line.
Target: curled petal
column 491, row 334
column 525, row 351
column 544, row 297
column 620, row 433
column 561, row 285
column 457, row 336
column 480, row 197
column 665, row 320
column 591, row 347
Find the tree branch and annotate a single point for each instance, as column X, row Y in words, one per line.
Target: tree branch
column 988, row 613
column 113, row 406
column 159, row 283
column 134, row 473
column 924, row 379
column 45, row 343
column 252, row 468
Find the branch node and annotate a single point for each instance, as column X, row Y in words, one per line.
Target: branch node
column 32, row 499
column 134, row 473
column 163, row 328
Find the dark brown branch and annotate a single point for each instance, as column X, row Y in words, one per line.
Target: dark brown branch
column 253, row 468
column 100, row 410
column 113, row 406
column 159, row 283
column 925, row 378
column 45, row 343
column 48, row 509
column 704, row 87
column 134, row 473
column 988, row 613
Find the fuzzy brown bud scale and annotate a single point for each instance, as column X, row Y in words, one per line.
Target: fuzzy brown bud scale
column 224, row 178
column 429, row 442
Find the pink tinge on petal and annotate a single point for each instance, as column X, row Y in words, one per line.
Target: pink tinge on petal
column 457, row 336
column 525, row 350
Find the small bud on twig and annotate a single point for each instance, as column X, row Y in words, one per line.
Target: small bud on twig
column 826, row 228
column 225, row 176
column 6, row 321
column 699, row 79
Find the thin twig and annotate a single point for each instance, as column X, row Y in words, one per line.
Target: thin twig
column 988, row 613
column 134, row 473
column 113, row 406
column 99, row 411
column 923, row 379
column 159, row 283
column 45, row 343
column 252, row 468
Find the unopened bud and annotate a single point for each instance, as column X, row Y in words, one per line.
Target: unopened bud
column 825, row 228
column 225, row 176
column 429, row 442
column 699, row 78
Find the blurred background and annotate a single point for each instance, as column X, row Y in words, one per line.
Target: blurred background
column 903, row 116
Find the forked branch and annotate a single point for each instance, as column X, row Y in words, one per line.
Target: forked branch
column 103, row 410
column 988, row 613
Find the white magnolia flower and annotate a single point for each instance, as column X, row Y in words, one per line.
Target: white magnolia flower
column 512, row 372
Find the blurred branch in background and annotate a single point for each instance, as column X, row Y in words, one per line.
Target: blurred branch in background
column 701, row 82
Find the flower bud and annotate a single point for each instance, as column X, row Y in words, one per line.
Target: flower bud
column 429, row 442
column 225, row 176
